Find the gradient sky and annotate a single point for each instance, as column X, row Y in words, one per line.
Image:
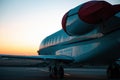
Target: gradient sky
column 25, row 23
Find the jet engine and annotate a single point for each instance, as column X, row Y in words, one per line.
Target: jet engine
column 83, row 18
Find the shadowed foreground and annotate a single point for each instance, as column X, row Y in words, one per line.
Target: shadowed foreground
column 34, row 73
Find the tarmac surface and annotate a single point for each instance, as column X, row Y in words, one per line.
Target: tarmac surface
column 37, row 73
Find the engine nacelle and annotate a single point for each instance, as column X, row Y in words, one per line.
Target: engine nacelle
column 82, row 19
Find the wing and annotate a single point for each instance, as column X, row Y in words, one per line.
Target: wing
column 61, row 58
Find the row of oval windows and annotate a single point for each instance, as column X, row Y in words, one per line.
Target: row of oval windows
column 57, row 37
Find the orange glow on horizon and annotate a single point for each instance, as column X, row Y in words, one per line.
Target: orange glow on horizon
column 18, row 50
column 13, row 47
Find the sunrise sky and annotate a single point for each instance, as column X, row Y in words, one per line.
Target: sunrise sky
column 25, row 23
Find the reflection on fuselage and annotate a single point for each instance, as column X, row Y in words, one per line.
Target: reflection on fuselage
column 61, row 36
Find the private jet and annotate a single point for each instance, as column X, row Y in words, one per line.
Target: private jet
column 90, row 35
